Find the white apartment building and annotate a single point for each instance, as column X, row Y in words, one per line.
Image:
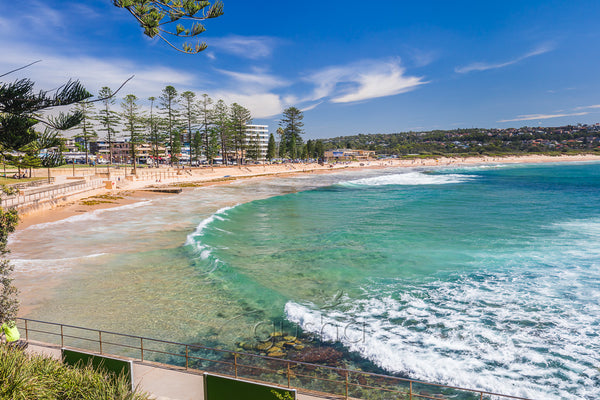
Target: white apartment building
column 260, row 134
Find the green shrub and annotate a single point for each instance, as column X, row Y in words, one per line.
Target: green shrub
column 37, row 377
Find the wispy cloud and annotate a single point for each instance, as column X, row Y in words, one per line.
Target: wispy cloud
column 363, row 80
column 484, row 66
column 311, row 106
column 255, row 80
column 530, row 117
column 423, row 58
column 261, row 105
column 255, row 90
column 44, row 16
column 251, row 47
column 93, row 72
column 587, row 107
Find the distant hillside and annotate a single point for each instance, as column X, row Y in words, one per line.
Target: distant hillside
column 580, row 138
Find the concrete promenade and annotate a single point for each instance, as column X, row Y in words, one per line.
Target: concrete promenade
column 161, row 381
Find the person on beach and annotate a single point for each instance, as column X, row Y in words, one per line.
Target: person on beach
column 11, row 335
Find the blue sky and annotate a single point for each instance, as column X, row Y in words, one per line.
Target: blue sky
column 353, row 67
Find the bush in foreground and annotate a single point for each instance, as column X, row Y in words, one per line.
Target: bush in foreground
column 26, row 376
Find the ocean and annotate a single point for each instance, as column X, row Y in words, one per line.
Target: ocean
column 485, row 277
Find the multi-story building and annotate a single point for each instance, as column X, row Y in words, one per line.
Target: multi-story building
column 144, row 152
column 258, row 136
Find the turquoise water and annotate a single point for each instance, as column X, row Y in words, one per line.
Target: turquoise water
column 478, row 277
column 482, row 277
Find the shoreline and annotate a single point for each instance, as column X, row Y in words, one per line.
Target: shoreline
column 139, row 190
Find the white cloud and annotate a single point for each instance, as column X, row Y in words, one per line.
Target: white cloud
column 42, row 16
column 587, row 107
column 252, row 47
column 482, row 66
column 258, row 80
column 530, row 117
column 362, row 81
column 93, row 73
column 310, row 107
column 261, row 105
column 423, row 58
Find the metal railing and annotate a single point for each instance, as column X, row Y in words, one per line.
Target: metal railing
column 49, row 193
column 306, row 377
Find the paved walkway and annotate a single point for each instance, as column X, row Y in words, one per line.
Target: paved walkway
column 161, row 381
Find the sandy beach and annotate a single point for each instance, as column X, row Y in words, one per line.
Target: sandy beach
column 129, row 192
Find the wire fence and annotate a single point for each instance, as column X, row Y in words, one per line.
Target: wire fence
column 306, row 377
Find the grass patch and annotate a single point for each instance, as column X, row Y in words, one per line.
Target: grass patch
column 12, row 181
column 36, row 377
column 106, row 197
column 189, row 184
column 94, row 202
column 200, row 184
column 99, row 199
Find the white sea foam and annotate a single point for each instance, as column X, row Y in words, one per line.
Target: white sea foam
column 29, row 266
column 530, row 332
column 205, row 251
column 88, row 216
column 409, row 178
column 192, row 238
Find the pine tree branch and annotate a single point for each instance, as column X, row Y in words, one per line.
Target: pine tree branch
column 18, row 69
column 116, row 91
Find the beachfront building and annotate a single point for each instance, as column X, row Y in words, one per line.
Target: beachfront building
column 102, row 151
column 257, row 140
column 349, row 154
column 144, row 152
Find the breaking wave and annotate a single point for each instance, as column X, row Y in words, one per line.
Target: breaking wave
column 204, row 251
column 409, row 178
column 530, row 330
column 89, row 216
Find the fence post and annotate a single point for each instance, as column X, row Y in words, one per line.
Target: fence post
column 100, row 340
column 62, row 337
column 26, row 331
column 235, row 364
column 187, row 363
column 288, row 373
column 410, row 391
column 142, row 348
column 346, row 384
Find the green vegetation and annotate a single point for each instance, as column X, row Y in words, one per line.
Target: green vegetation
column 24, row 376
column 154, row 14
column 108, row 118
column 168, row 103
column 475, row 142
column 204, row 183
column 99, row 199
column 9, row 304
column 131, row 117
column 12, row 181
column 291, row 127
column 239, row 116
column 21, row 108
